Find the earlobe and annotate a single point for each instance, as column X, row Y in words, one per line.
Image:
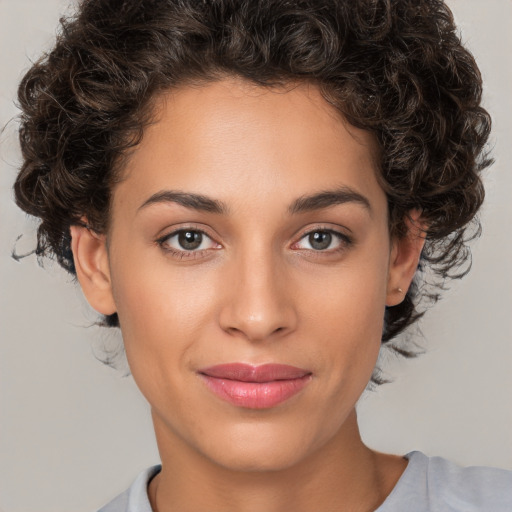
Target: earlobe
column 404, row 258
column 90, row 256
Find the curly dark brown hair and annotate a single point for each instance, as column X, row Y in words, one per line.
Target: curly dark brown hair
column 394, row 67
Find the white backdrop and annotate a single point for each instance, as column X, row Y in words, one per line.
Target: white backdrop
column 73, row 432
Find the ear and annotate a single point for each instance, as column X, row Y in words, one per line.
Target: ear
column 404, row 258
column 92, row 269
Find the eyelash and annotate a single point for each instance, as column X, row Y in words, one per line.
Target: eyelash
column 344, row 240
column 182, row 254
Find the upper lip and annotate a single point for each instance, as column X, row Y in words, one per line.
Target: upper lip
column 248, row 373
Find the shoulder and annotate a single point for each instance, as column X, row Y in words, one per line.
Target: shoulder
column 431, row 484
column 135, row 498
column 474, row 487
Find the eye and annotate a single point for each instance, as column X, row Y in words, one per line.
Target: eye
column 187, row 241
column 325, row 240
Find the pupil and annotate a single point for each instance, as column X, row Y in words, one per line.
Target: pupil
column 190, row 240
column 320, row 240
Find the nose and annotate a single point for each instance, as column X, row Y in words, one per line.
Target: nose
column 259, row 302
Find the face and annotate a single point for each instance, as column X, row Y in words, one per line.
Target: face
column 249, row 227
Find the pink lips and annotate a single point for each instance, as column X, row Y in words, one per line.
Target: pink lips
column 255, row 387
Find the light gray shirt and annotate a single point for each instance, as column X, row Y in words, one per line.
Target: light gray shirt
column 428, row 484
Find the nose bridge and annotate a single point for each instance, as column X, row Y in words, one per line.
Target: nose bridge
column 259, row 301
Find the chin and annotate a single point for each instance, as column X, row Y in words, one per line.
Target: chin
column 260, row 449
column 254, row 459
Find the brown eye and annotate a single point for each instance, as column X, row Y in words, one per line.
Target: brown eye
column 320, row 240
column 324, row 241
column 190, row 240
column 187, row 241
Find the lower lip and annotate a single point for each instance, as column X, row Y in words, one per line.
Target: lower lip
column 255, row 395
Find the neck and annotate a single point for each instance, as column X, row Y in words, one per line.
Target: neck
column 344, row 474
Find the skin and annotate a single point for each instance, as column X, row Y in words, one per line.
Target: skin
column 256, row 291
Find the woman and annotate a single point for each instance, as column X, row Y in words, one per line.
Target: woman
column 247, row 190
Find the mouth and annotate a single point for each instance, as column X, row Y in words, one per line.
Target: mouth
column 255, row 387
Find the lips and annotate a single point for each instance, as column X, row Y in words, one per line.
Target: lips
column 255, row 387
column 248, row 373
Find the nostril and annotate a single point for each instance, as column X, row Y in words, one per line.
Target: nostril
column 257, row 314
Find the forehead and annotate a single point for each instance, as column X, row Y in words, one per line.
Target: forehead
column 233, row 138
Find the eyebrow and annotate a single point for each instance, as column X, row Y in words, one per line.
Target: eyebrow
column 328, row 198
column 317, row 201
column 189, row 200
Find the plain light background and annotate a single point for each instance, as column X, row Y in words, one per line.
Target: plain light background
column 74, row 433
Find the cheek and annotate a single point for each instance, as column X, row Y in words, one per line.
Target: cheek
column 353, row 293
column 161, row 312
column 352, row 325
column 349, row 315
